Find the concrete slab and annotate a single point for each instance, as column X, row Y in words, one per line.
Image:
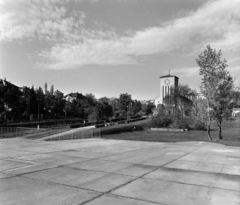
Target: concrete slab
column 215, row 159
column 107, row 183
column 93, row 180
column 175, row 193
column 157, row 161
column 28, row 169
column 100, row 165
column 99, row 171
column 214, row 180
column 116, row 200
column 18, row 190
column 10, row 164
column 88, row 155
column 136, row 170
column 2, row 176
column 205, row 167
column 55, row 159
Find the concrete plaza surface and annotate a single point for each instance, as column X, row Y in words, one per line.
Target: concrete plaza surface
column 118, row 172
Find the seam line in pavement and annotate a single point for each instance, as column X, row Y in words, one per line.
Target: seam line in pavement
column 144, row 200
column 210, row 187
column 15, row 175
column 208, row 162
column 142, row 175
column 67, row 185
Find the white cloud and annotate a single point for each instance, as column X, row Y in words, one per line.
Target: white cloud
column 24, row 19
column 215, row 23
column 186, row 72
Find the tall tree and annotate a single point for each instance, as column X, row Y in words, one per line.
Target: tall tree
column 181, row 99
column 124, row 102
column 91, row 99
column 52, row 90
column 107, row 110
column 217, row 86
column 45, row 88
column 147, row 108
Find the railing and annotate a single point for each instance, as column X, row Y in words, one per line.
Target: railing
column 75, row 134
column 9, row 132
column 48, row 134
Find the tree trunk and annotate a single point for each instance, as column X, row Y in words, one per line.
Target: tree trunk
column 220, row 130
column 209, row 122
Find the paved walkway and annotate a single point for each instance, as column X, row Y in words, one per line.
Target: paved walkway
column 118, row 172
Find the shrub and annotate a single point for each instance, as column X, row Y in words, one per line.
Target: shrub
column 118, row 130
column 199, row 125
column 75, row 125
column 186, row 122
column 160, row 121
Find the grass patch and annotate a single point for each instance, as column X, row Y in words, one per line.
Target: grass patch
column 231, row 133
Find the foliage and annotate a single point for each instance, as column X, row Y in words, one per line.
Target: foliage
column 19, row 103
column 162, row 119
column 180, row 97
column 147, row 109
column 235, row 101
column 122, row 128
column 216, row 86
column 124, row 101
column 199, row 125
column 106, row 108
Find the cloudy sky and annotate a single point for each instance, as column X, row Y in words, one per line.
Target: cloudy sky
column 108, row 47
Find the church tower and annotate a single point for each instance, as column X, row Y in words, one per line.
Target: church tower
column 166, row 82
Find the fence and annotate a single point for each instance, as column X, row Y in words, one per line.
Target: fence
column 48, row 134
column 76, row 134
column 9, row 132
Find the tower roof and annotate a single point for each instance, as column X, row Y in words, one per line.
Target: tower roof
column 167, row 76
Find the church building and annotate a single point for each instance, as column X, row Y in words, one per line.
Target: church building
column 166, row 82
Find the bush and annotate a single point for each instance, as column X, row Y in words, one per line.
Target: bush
column 76, row 125
column 160, row 121
column 118, row 130
column 185, row 122
column 199, row 125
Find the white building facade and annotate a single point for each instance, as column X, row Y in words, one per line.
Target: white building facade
column 166, row 83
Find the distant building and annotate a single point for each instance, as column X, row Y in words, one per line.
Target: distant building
column 166, row 83
column 146, row 101
column 74, row 96
column 235, row 112
column 58, row 93
column 200, row 95
column 7, row 83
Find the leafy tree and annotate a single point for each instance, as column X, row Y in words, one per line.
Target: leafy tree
column 91, row 99
column 147, row 108
column 39, row 102
column 52, row 90
column 26, row 101
column 235, row 102
column 11, row 101
column 46, row 88
column 115, row 106
column 124, row 103
column 180, row 99
column 217, row 86
column 107, row 110
column 135, row 107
